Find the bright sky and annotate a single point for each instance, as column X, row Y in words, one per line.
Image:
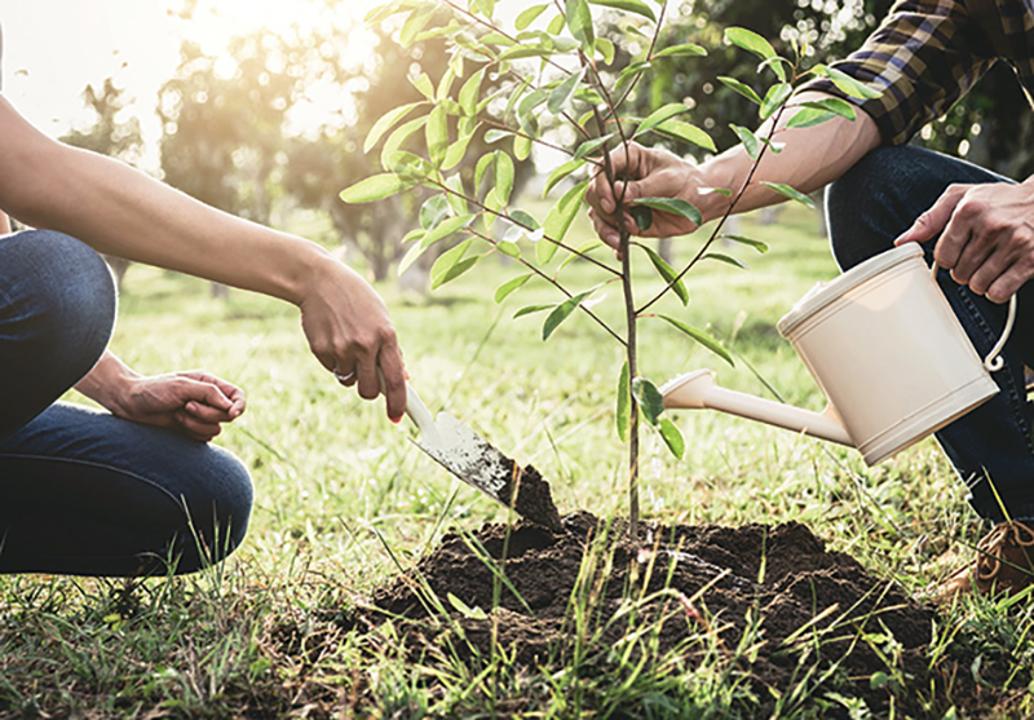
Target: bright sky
column 54, row 48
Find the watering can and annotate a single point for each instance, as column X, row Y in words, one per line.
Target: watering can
column 884, row 346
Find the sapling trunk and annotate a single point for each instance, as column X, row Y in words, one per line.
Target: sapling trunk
column 631, row 356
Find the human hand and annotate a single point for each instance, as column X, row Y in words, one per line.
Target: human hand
column 986, row 236
column 646, row 172
column 350, row 333
column 195, row 403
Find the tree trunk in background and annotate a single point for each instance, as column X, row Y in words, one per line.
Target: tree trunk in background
column 664, row 249
column 118, row 269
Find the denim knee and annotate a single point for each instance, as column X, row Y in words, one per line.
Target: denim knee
column 72, row 303
column 219, row 511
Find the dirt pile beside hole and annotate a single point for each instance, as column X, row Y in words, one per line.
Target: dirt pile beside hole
column 703, row 587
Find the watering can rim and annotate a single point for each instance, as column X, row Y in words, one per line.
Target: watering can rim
column 824, row 293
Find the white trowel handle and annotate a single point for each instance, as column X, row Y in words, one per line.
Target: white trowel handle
column 418, row 412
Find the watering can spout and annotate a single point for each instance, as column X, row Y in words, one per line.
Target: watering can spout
column 698, row 390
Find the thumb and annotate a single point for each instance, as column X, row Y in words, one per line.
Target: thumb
column 204, row 392
column 930, row 224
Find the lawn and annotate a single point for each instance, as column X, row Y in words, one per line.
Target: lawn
column 342, row 499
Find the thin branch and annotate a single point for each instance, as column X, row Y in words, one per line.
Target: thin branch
column 721, row 223
column 552, row 281
column 543, row 143
column 514, row 221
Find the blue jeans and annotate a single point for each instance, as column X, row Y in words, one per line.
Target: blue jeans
column 877, row 200
column 84, row 492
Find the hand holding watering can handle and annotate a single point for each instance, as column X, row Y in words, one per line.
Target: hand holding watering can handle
column 993, row 362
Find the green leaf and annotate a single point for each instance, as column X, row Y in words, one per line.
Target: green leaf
column 688, row 132
column 504, row 172
column 528, row 16
column 590, row 146
column 530, row 309
column 701, row 337
column 561, row 95
column 683, row 50
column 437, row 134
column 451, row 264
column 751, row 142
column 792, row 193
column 606, row 48
column 556, row 24
column 667, row 272
column 750, row 41
column 559, row 219
column 674, row 206
column 416, row 22
column 399, row 136
column 560, row 173
column 745, row 90
column 411, row 256
column 660, row 115
column 508, row 248
column 373, row 188
column 457, row 198
column 850, row 86
column 809, row 117
column 633, row 6
column 521, row 147
column 727, row 259
column 643, row 217
column 834, row 105
column 423, row 85
column 468, row 96
column 649, row 398
column 562, row 311
column 444, row 229
column 385, row 122
column 457, row 151
column 483, row 164
column 465, row 610
column 623, row 415
column 672, row 437
column 774, row 99
column 579, row 22
column 433, row 211
column 510, row 286
column 756, row 244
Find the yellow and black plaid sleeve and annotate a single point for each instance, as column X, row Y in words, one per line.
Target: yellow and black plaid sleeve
column 924, row 56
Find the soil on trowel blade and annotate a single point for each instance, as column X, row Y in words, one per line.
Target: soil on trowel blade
column 718, row 581
column 534, row 498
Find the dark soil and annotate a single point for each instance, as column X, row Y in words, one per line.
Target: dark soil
column 534, row 498
column 808, row 600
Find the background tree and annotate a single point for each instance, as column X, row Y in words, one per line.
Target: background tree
column 115, row 133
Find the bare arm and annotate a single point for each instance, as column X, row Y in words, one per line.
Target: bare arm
column 121, row 211
column 5, row 223
column 810, row 158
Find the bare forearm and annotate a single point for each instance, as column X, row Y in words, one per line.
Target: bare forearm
column 121, row 211
column 5, row 223
column 107, row 382
column 810, row 158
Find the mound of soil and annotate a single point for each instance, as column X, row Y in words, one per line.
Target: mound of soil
column 705, row 585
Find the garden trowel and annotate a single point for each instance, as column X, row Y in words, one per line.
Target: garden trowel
column 466, row 455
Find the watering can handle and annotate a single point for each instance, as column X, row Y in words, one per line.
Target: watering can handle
column 993, row 362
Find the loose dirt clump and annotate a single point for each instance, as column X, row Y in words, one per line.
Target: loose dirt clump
column 704, row 589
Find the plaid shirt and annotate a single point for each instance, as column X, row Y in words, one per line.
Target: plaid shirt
column 928, row 53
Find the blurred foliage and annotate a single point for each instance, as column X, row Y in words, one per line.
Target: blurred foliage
column 115, row 133
column 992, row 126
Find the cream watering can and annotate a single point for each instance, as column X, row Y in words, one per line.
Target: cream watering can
column 884, row 346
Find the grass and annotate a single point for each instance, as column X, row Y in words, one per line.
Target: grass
column 342, row 500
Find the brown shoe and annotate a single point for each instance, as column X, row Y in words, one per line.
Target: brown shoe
column 1005, row 563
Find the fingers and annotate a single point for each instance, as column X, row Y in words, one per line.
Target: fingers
column 992, row 268
column 956, row 235
column 207, row 413
column 203, row 392
column 394, row 374
column 234, row 393
column 928, row 225
column 366, row 376
column 197, row 429
column 606, row 232
column 977, row 250
column 1007, row 284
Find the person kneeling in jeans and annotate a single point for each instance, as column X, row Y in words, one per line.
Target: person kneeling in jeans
column 138, row 490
